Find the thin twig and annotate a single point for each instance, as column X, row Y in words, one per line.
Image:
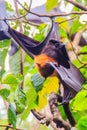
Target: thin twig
column 29, row 5
column 15, row 18
column 82, row 66
column 50, row 15
column 85, row 63
column 82, row 7
column 68, row 20
column 44, row 15
column 82, row 53
column 28, row 22
column 22, row 52
column 9, row 127
column 47, row 15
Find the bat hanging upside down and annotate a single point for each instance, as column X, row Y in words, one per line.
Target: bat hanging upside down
column 51, row 53
column 54, row 61
column 51, row 59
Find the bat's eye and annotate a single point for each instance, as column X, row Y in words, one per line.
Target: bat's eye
column 38, row 64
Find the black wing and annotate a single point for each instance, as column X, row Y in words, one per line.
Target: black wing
column 71, row 79
column 62, row 56
column 31, row 46
column 4, row 35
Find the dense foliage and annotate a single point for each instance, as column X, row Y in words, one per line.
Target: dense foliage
column 36, row 89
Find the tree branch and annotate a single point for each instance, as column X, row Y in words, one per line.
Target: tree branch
column 82, row 7
column 50, row 114
column 50, row 15
column 9, row 127
column 22, row 52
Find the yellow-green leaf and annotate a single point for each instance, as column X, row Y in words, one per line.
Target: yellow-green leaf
column 50, row 4
column 51, row 85
column 80, row 103
column 63, row 23
column 12, row 115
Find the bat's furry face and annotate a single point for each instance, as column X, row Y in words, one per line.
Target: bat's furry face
column 56, row 50
column 51, row 53
column 43, row 66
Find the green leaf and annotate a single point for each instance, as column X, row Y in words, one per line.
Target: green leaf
column 8, row 6
column 31, row 101
column 50, row 4
column 15, row 63
column 3, row 51
column 80, row 103
column 31, row 97
column 12, row 115
column 62, row 24
column 37, row 82
column 12, row 79
column 2, row 71
column 63, row 33
column 39, row 37
column 20, row 100
column 82, row 123
column 5, row 93
column 76, row 26
column 77, row 63
column 83, row 49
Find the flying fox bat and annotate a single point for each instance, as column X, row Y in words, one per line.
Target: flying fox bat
column 51, row 58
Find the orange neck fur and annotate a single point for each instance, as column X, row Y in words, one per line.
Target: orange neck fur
column 43, row 59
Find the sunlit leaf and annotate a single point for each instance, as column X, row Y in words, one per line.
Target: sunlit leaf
column 20, row 100
column 41, row 32
column 39, row 37
column 5, row 93
column 80, row 103
column 51, row 85
column 2, row 71
column 62, row 33
column 50, row 4
column 15, row 63
column 3, row 51
column 76, row 26
column 12, row 79
column 83, row 49
column 12, row 115
column 8, row 6
column 63, row 23
column 31, row 102
column 82, row 123
column 31, row 97
column 77, row 63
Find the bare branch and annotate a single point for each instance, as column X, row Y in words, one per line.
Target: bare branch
column 22, row 52
column 47, row 15
column 50, row 15
column 82, row 7
column 82, row 66
column 82, row 53
column 68, row 20
column 9, row 127
column 15, row 18
column 75, row 43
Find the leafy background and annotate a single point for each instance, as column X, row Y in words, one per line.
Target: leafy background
column 36, row 90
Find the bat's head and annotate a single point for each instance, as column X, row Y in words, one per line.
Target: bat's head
column 43, row 66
